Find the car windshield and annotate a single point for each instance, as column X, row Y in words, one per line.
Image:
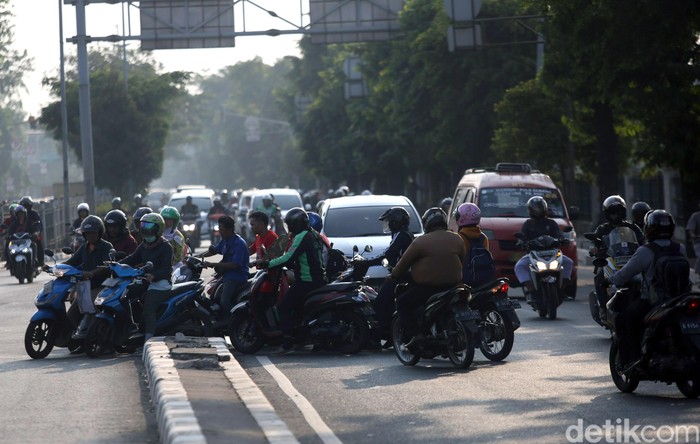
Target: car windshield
column 512, row 202
column 285, row 201
column 204, row 203
column 362, row 221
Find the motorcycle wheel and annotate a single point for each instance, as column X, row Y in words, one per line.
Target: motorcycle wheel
column 244, row 334
column 461, row 345
column 19, row 274
column 499, row 343
column 402, row 352
column 97, row 338
column 39, row 338
column 690, row 388
column 625, row 384
column 196, row 324
column 355, row 333
column 552, row 301
column 30, row 276
column 124, row 349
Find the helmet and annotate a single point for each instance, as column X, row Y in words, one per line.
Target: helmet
column 83, row 207
column 188, row 199
column 537, row 207
column 297, row 220
column 171, row 213
column 138, row 198
column 152, row 224
column 20, row 209
column 366, row 193
column 614, row 209
column 396, row 218
column 116, row 202
column 26, row 202
column 217, row 202
column 445, row 204
column 339, row 193
column 434, row 218
column 116, row 218
column 267, row 198
column 467, row 214
column 658, row 224
column 12, row 208
column 315, row 221
column 140, row 213
column 639, row 210
column 224, row 196
column 92, row 224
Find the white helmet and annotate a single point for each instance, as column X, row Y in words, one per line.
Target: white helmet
column 83, row 207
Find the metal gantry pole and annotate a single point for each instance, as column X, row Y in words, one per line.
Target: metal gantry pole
column 84, row 98
column 64, row 116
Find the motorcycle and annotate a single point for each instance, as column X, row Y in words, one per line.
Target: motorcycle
column 50, row 327
column 118, row 320
column 614, row 251
column 214, row 234
column 670, row 346
column 338, row 316
column 22, row 260
column 545, row 271
column 498, row 320
column 451, row 327
column 190, row 230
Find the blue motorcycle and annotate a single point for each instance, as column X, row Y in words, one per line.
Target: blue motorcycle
column 50, row 326
column 118, row 325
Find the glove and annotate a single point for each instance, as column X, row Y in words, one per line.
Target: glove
column 45, row 268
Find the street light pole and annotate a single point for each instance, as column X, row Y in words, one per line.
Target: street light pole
column 84, row 99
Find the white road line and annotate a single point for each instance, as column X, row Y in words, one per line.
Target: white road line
column 312, row 417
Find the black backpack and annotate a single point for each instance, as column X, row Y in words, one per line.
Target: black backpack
column 671, row 272
column 478, row 266
column 337, row 263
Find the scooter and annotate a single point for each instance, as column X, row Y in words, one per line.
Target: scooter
column 22, row 258
column 118, row 323
column 545, row 271
column 498, row 320
column 50, row 325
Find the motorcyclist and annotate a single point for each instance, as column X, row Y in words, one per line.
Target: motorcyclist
column 658, row 229
column 234, row 264
column 171, row 218
column 34, row 224
column 615, row 213
column 539, row 225
column 136, row 222
column 304, row 257
column 22, row 224
column 93, row 253
column 264, row 237
column 396, row 221
column 273, row 211
column 157, row 250
column 435, row 262
column 215, row 212
column 189, row 208
column 83, row 212
column 445, row 204
column 117, row 203
column 5, row 226
column 468, row 216
column 137, row 201
column 117, row 234
column 639, row 210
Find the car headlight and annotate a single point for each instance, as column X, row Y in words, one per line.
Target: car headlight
column 541, row 266
column 571, row 235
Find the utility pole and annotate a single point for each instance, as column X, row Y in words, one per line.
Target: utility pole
column 84, row 98
column 64, row 118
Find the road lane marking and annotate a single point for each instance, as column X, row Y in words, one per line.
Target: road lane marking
column 310, row 414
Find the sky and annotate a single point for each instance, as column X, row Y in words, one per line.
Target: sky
column 36, row 30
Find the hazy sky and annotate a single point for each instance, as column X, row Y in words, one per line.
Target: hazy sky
column 36, row 30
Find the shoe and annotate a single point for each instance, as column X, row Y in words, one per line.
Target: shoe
column 415, row 341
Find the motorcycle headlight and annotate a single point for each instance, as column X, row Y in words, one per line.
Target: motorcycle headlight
column 554, row 265
column 25, row 250
column 541, row 266
column 188, row 227
column 58, row 272
column 99, row 300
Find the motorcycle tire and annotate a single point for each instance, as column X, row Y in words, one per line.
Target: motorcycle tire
column 690, row 388
column 19, row 274
column 244, row 334
column 625, row 384
column 97, row 338
column 196, row 324
column 128, row 349
column 39, row 338
column 460, row 349
column 30, row 276
column 497, row 342
column 355, row 333
column 552, row 301
column 402, row 352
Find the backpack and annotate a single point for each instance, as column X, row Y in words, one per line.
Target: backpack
column 671, row 272
column 337, row 263
column 478, row 266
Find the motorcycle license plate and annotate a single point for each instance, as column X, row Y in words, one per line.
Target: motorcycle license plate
column 467, row 315
column 507, row 303
column 690, row 326
column 110, row 282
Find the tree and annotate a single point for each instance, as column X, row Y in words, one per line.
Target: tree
column 130, row 123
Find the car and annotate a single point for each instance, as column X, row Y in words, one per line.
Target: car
column 353, row 221
column 203, row 198
column 502, row 194
column 250, row 200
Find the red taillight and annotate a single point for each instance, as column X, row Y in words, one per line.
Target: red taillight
column 502, row 288
column 693, row 307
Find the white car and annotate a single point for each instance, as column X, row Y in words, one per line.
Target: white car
column 354, row 221
column 285, row 198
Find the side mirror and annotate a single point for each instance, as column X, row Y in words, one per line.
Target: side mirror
column 48, row 252
column 368, row 248
column 590, row 236
column 112, row 254
column 148, row 266
column 355, row 250
column 574, row 213
column 67, row 250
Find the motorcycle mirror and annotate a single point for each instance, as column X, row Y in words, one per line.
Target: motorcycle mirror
column 355, row 250
column 148, row 266
column 48, row 252
column 112, row 254
column 591, row 237
column 67, row 250
column 368, row 248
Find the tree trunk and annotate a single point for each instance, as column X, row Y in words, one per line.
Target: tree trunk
column 607, row 151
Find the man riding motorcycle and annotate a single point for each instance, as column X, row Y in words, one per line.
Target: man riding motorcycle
column 136, row 222
column 83, row 212
column 639, row 210
column 117, row 234
column 34, row 222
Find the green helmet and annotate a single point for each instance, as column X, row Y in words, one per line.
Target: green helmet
column 12, row 208
column 171, row 213
column 152, row 224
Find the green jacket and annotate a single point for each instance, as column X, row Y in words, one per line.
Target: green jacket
column 304, row 256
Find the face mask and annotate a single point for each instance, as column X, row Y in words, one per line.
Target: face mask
column 149, row 239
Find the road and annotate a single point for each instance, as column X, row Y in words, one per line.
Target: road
column 553, row 388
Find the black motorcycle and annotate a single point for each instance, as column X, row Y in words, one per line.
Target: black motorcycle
column 337, row 316
column 498, row 320
column 449, row 325
column 670, row 345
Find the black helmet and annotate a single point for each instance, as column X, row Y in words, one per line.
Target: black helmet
column 140, row 213
column 639, row 210
column 445, row 204
column 297, row 220
column 658, row 224
column 92, row 224
column 433, row 219
column 614, row 209
column 396, row 217
column 138, row 198
column 116, row 218
column 116, row 202
column 537, row 207
column 27, row 202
